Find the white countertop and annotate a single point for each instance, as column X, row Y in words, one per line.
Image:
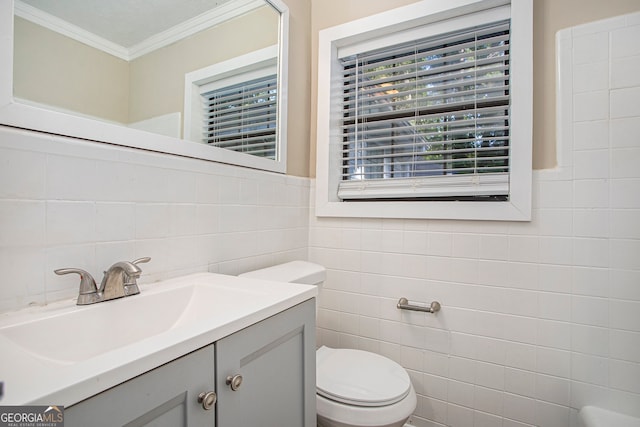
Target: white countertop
column 30, row 377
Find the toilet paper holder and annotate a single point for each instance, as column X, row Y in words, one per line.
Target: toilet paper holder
column 403, row 304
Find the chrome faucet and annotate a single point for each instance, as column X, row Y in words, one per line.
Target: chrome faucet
column 120, row 280
column 114, row 278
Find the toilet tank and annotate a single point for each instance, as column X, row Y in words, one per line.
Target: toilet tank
column 303, row 272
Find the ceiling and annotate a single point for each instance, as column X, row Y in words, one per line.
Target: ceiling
column 125, row 22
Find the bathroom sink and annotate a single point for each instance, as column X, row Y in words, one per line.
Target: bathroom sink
column 68, row 336
column 65, row 353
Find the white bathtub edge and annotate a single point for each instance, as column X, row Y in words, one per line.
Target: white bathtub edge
column 593, row 416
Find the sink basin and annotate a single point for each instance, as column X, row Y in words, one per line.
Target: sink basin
column 74, row 335
column 65, row 353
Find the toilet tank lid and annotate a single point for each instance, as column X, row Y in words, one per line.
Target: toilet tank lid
column 303, row 272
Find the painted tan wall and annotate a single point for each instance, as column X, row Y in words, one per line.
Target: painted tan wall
column 549, row 16
column 300, row 89
column 53, row 69
column 157, row 79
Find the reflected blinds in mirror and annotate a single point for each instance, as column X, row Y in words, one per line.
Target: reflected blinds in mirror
column 429, row 118
column 242, row 117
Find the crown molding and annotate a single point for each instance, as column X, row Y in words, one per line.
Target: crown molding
column 208, row 19
column 218, row 15
column 65, row 28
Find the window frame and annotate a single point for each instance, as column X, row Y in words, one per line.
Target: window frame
column 415, row 21
column 242, row 68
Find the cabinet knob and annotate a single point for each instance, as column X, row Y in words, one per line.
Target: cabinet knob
column 208, row 399
column 234, row 381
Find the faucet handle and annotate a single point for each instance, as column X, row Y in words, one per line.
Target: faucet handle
column 88, row 291
column 141, row 260
column 131, row 284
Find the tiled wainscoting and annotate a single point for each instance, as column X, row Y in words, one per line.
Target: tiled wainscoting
column 540, row 318
column 74, row 203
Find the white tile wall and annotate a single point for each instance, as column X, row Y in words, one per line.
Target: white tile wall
column 538, row 318
column 72, row 203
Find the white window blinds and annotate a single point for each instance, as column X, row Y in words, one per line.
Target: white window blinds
column 428, row 119
column 242, row 117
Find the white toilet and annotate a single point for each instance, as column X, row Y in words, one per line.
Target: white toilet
column 354, row 388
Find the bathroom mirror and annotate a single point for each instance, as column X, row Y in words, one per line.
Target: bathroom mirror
column 146, row 74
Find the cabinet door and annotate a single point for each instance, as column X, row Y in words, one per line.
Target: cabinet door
column 276, row 359
column 164, row 397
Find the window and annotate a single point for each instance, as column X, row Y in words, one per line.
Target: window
column 242, row 117
column 426, row 116
column 434, row 112
column 233, row 107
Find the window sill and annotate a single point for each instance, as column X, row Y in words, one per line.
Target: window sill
column 460, row 210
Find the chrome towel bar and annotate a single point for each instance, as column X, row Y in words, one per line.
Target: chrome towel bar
column 403, row 304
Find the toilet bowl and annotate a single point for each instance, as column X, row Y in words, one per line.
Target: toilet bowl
column 354, row 388
column 357, row 388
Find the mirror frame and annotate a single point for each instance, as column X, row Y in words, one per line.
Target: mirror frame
column 21, row 115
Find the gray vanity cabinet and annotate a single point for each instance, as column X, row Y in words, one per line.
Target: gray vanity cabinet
column 263, row 375
column 276, row 361
column 164, row 397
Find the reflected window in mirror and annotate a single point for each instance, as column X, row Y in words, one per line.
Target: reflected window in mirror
column 233, row 104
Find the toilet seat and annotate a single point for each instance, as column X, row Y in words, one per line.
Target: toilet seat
column 360, row 378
